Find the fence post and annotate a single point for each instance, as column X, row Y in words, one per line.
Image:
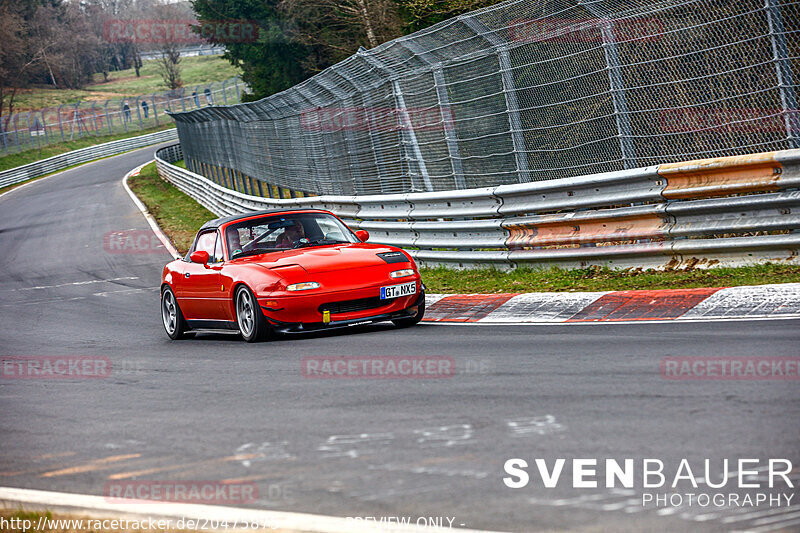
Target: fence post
column 44, row 125
column 29, row 136
column 16, row 131
column 108, row 120
column 783, row 69
column 351, row 149
column 139, row 112
column 224, row 93
column 60, row 124
column 509, row 91
column 448, row 124
column 155, row 110
column 616, row 83
column 408, row 127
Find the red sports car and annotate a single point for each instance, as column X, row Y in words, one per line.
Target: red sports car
column 288, row 272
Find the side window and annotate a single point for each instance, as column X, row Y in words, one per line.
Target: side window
column 206, row 243
column 218, row 251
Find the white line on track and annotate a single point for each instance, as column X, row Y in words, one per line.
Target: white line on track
column 150, row 220
column 87, row 282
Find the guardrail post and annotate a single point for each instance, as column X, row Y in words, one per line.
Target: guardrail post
column 509, row 91
column 783, row 69
column 448, row 125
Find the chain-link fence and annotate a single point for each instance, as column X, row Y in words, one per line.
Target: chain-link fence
column 33, row 129
column 525, row 90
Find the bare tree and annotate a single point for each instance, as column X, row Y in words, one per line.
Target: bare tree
column 170, row 48
column 14, row 60
column 337, row 28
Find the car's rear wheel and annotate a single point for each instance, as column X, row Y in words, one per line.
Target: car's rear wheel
column 252, row 324
column 414, row 320
column 171, row 315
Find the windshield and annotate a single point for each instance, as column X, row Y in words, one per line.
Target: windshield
column 285, row 232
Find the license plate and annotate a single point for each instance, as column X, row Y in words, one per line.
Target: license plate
column 396, row 291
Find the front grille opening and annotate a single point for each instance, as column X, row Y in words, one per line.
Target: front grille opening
column 350, row 306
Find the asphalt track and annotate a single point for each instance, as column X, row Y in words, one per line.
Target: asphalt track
column 216, row 408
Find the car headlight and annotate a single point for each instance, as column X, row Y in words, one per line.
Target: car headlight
column 306, row 285
column 402, row 273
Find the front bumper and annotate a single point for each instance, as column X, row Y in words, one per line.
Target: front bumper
column 306, row 327
column 306, row 308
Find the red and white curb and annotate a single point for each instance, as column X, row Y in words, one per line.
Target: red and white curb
column 747, row 302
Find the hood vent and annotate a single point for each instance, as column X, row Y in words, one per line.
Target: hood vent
column 394, row 257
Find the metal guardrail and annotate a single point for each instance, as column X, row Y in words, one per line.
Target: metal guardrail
column 82, row 155
column 523, row 91
column 665, row 216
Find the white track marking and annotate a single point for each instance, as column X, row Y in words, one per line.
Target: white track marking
column 150, row 220
column 88, row 282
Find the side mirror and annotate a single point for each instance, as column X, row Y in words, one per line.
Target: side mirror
column 200, row 256
column 363, row 235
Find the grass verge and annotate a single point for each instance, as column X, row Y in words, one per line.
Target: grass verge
column 441, row 280
column 180, row 217
column 30, row 156
column 124, row 83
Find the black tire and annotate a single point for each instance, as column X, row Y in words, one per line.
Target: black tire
column 253, row 327
column 172, row 316
column 414, row 320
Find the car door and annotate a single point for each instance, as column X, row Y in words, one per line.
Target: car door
column 199, row 293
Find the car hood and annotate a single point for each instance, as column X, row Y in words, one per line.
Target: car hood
column 331, row 258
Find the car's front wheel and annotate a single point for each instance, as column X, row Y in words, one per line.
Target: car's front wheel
column 171, row 315
column 252, row 324
column 414, row 320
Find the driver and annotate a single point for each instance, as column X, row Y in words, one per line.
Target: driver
column 290, row 235
column 234, row 241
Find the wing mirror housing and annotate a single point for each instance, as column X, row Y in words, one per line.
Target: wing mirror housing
column 200, row 256
column 363, row 235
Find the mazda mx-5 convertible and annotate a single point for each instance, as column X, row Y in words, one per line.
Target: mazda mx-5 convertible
column 287, row 272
